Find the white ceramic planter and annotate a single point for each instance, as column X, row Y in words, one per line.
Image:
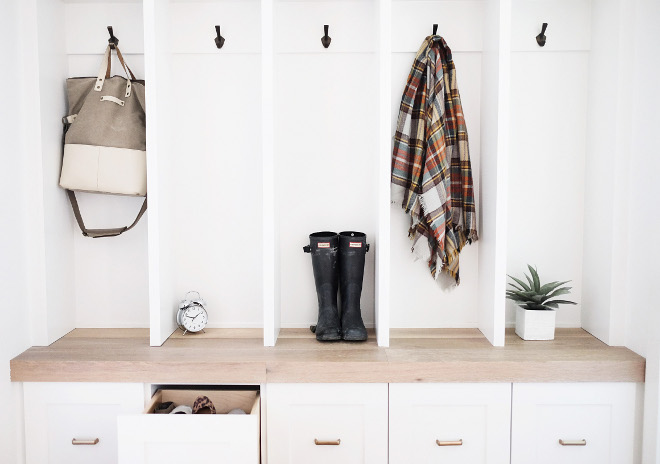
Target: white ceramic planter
column 534, row 324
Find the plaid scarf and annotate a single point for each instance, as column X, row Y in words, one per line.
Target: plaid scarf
column 431, row 172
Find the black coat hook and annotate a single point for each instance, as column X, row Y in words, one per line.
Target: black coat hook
column 219, row 40
column 325, row 40
column 113, row 41
column 540, row 39
column 435, row 29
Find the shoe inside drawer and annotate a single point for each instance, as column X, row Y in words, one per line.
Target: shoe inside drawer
column 223, row 401
column 194, row 438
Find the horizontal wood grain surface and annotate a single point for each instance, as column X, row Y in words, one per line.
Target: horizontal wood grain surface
column 414, row 355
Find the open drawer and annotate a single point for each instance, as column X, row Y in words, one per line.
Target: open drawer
column 193, row 438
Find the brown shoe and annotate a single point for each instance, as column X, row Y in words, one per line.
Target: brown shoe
column 164, row 408
column 203, row 405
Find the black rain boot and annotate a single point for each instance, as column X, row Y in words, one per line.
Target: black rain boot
column 324, row 246
column 352, row 250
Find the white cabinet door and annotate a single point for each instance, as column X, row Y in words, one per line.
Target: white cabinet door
column 591, row 423
column 453, row 423
column 327, row 423
column 76, row 423
column 193, row 439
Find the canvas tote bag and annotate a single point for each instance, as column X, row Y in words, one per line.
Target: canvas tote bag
column 105, row 139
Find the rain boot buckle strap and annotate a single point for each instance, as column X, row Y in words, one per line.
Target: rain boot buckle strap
column 308, row 248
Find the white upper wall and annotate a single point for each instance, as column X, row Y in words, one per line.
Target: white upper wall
column 215, row 159
column 549, row 87
column 325, row 141
column 416, row 299
column 546, row 171
column 110, row 274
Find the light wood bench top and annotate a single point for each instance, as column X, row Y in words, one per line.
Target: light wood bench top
column 237, row 356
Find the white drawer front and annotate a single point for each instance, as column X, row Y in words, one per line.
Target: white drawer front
column 327, row 423
column 470, row 421
column 198, row 439
column 57, row 414
column 596, row 423
column 82, row 423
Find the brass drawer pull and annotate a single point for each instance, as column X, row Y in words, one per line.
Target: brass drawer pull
column 76, row 441
column 573, row 442
column 450, row 443
column 327, row 443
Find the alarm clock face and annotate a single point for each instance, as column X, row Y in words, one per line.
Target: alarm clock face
column 194, row 318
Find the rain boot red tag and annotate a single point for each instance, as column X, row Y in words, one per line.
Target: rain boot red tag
column 355, row 244
column 323, row 245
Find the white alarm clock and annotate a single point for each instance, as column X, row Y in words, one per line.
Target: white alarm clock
column 192, row 316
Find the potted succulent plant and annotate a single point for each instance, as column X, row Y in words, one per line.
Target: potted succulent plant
column 535, row 314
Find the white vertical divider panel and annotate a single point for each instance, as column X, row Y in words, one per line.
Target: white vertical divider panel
column 50, row 231
column 619, row 297
column 605, row 204
column 270, row 263
column 36, row 253
column 157, row 72
column 382, row 250
column 494, row 145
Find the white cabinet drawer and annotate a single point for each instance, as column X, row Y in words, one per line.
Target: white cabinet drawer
column 61, row 418
column 327, row 423
column 595, row 421
column 199, row 438
column 456, row 423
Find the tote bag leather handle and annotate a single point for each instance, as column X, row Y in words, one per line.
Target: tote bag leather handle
column 98, row 233
column 104, row 70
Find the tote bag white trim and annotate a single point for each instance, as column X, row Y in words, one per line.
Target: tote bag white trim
column 119, row 171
